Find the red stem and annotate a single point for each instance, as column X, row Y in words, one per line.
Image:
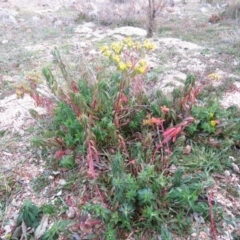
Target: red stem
column 213, row 230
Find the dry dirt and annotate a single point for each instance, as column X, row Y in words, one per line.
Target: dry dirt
column 30, row 30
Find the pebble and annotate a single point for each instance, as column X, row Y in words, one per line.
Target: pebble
column 4, row 41
column 70, row 213
column 227, row 173
column 12, row 19
column 235, row 167
column 35, row 18
column 62, row 182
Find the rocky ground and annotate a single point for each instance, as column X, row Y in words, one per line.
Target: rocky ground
column 31, row 29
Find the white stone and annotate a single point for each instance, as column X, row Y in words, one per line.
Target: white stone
column 83, row 29
column 70, row 213
column 62, row 182
column 4, row 41
column 130, row 31
column 227, row 173
column 235, row 167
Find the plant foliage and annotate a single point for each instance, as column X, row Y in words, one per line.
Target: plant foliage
column 112, row 122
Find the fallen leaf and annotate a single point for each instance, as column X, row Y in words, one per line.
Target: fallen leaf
column 41, row 229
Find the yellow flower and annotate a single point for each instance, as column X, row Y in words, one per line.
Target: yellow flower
column 147, row 121
column 213, row 123
column 129, row 42
column 116, row 58
column 148, row 45
column 137, row 45
column 128, row 64
column 140, row 70
column 211, row 115
column 122, row 66
column 214, row 76
column 117, row 47
column 141, row 67
column 107, row 53
column 142, row 63
column 104, row 49
column 19, row 93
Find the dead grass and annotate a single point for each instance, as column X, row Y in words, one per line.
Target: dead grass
column 131, row 13
column 233, row 10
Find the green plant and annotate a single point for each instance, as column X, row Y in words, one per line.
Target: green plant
column 55, row 230
column 67, row 162
column 33, row 222
column 202, row 158
column 49, row 209
column 130, row 139
column 30, row 214
column 206, row 118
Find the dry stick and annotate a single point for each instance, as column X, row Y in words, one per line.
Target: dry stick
column 213, row 230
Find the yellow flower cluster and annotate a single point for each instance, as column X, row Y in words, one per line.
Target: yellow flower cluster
column 148, row 45
column 147, row 121
column 214, row 76
column 213, row 122
column 141, row 67
column 116, row 58
column 117, row 47
column 105, row 51
column 121, row 54
column 129, row 42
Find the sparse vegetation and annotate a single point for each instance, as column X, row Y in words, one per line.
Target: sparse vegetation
column 112, row 122
column 233, row 10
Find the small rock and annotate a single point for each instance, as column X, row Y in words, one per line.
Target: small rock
column 130, row 31
column 12, row 19
column 232, row 158
column 62, row 182
column 4, row 41
column 55, row 172
column 50, row 177
column 187, row 150
column 227, row 173
column 235, row 167
column 70, row 213
column 93, row 52
column 203, row 9
column 35, row 18
column 58, row 194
